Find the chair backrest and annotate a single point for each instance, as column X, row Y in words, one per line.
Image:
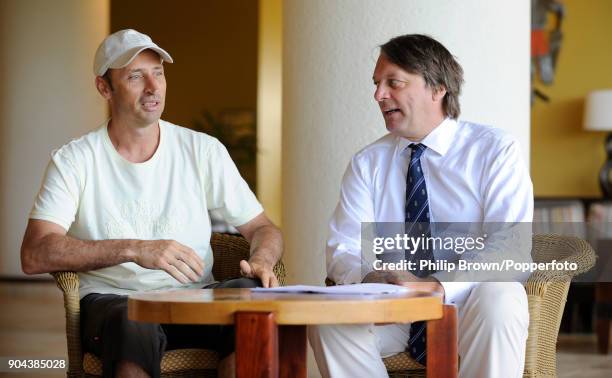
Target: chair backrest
column 228, row 250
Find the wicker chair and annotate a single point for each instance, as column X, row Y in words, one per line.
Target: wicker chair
column 228, row 250
column 546, row 293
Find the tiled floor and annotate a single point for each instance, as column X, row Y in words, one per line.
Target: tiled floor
column 577, row 357
column 32, row 325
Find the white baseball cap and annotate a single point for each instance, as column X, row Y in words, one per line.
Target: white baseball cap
column 120, row 48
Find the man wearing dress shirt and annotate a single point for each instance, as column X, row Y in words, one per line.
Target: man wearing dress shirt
column 467, row 173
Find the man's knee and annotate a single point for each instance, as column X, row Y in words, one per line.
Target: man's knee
column 130, row 369
column 344, row 333
column 131, row 333
column 108, row 333
column 500, row 304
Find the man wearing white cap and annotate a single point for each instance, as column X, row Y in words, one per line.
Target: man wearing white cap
column 127, row 206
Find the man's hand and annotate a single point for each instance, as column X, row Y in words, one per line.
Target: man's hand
column 178, row 260
column 390, row 277
column 266, row 249
column 406, row 279
column 256, row 268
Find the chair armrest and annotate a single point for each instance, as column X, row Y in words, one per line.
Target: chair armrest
column 562, row 249
column 68, row 283
column 546, row 295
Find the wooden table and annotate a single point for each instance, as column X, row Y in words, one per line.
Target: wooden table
column 271, row 327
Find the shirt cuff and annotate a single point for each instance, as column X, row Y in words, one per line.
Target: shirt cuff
column 454, row 292
column 346, row 277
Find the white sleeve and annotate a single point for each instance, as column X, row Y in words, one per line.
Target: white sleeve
column 508, row 212
column 508, row 194
column 226, row 191
column 58, row 198
column 507, row 189
column 343, row 252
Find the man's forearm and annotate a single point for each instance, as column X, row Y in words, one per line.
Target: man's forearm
column 267, row 245
column 56, row 252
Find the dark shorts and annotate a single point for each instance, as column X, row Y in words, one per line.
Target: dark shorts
column 107, row 332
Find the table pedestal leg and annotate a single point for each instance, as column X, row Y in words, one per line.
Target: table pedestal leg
column 265, row 350
column 292, row 351
column 256, row 345
column 442, row 355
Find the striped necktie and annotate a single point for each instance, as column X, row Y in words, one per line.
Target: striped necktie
column 417, row 226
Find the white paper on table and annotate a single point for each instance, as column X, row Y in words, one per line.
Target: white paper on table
column 365, row 288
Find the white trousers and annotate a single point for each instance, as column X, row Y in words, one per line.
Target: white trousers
column 492, row 330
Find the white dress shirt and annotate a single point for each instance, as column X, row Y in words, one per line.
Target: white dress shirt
column 473, row 173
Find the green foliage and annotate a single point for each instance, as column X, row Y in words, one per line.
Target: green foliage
column 236, row 130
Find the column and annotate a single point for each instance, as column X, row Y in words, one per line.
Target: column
column 47, row 97
column 329, row 53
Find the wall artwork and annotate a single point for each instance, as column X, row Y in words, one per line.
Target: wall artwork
column 546, row 38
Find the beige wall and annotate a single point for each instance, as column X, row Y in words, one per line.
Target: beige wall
column 47, row 97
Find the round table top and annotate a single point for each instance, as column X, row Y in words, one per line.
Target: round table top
column 218, row 306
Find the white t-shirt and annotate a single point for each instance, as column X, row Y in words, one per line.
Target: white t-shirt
column 93, row 192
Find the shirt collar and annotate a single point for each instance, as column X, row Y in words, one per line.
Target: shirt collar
column 438, row 140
